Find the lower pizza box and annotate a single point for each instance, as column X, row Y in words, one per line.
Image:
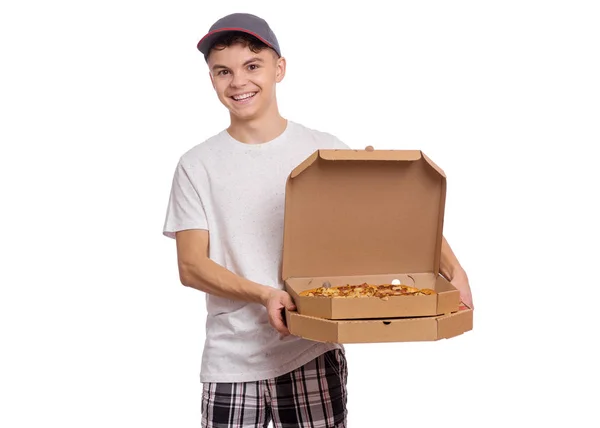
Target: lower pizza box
column 381, row 330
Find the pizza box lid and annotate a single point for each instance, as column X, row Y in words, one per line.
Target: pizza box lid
column 363, row 212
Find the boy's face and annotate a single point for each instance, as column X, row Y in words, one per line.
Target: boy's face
column 245, row 81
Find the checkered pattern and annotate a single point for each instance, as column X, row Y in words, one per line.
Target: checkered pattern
column 312, row 396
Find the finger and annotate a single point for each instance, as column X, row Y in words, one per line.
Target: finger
column 467, row 302
column 278, row 324
column 288, row 302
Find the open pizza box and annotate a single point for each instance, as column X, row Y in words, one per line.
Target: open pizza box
column 355, row 216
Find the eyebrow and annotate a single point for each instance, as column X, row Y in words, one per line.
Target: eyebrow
column 251, row 60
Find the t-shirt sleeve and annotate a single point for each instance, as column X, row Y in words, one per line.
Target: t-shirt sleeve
column 185, row 210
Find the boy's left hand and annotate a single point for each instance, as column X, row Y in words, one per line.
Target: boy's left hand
column 461, row 282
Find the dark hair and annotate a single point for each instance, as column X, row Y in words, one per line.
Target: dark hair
column 237, row 37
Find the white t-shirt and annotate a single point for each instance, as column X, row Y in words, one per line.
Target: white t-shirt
column 236, row 191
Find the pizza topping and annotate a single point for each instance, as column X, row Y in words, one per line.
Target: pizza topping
column 383, row 291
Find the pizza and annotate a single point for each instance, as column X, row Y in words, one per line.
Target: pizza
column 367, row 290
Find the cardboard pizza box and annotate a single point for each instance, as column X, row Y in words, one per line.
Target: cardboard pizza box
column 355, row 216
column 381, row 330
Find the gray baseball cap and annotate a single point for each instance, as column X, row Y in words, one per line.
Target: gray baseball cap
column 242, row 22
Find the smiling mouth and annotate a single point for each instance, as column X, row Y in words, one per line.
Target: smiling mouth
column 243, row 97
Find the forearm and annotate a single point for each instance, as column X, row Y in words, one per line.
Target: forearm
column 450, row 267
column 214, row 279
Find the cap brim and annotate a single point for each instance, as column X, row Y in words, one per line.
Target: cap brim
column 209, row 39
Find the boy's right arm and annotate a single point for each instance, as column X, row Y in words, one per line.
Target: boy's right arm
column 197, row 270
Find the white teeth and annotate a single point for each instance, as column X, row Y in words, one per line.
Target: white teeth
column 243, row 96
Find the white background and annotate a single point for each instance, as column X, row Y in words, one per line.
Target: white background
column 99, row 100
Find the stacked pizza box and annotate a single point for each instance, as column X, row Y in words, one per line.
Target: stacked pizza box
column 368, row 218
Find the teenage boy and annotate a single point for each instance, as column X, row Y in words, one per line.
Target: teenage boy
column 226, row 212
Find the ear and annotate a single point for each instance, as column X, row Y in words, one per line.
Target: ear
column 280, row 69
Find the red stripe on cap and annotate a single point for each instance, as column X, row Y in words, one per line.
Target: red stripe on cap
column 220, row 30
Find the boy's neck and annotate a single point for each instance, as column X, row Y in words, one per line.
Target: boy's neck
column 259, row 130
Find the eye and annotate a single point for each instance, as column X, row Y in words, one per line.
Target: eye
column 222, row 72
column 253, row 66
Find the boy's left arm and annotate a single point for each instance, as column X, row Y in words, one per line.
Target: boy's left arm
column 451, row 269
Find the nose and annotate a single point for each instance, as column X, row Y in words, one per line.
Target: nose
column 239, row 80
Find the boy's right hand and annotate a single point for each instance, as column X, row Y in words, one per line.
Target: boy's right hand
column 276, row 301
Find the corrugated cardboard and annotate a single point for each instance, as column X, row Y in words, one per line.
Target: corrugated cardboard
column 444, row 302
column 354, row 216
column 382, row 330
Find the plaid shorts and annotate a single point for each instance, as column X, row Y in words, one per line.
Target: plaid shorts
column 312, row 396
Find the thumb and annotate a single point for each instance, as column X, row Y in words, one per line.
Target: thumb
column 288, row 302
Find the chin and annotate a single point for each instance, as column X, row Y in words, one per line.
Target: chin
column 245, row 116
column 248, row 113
